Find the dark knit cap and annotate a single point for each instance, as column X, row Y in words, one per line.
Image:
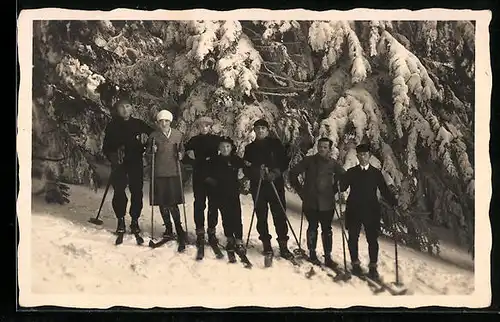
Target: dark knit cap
column 363, row 148
column 226, row 139
column 261, row 122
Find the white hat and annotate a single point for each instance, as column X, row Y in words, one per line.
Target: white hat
column 164, row 115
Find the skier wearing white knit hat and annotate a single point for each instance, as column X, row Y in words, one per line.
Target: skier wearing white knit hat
column 166, row 145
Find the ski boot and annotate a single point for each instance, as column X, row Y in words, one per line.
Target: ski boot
column 356, row 269
column 165, row 215
column 200, row 244
column 120, row 228
column 168, row 234
column 120, row 231
column 242, row 253
column 313, row 258
column 214, row 243
column 268, row 254
column 240, row 248
column 284, row 252
column 327, row 239
column 181, row 239
column 312, row 239
column 372, row 272
column 329, row 262
column 230, row 248
column 134, row 226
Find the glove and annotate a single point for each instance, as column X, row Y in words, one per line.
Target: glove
column 211, row 182
column 190, row 154
column 273, row 175
column 143, row 138
column 179, row 156
column 121, row 154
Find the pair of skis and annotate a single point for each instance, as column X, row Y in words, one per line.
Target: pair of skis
column 376, row 285
column 232, row 256
column 200, row 251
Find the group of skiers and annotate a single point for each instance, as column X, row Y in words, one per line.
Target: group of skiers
column 216, row 173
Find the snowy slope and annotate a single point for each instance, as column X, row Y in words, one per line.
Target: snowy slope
column 70, row 255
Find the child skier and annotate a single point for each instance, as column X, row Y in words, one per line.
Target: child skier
column 317, row 193
column 201, row 148
column 123, row 145
column 166, row 144
column 223, row 179
column 363, row 208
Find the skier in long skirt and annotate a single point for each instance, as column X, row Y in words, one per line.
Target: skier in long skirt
column 225, row 172
column 363, row 208
column 266, row 161
column 124, row 140
column 166, row 144
column 321, row 173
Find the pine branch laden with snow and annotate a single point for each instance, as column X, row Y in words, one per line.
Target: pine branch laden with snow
column 330, row 38
column 409, row 76
column 79, row 77
column 230, row 51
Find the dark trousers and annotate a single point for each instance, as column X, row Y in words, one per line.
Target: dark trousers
column 316, row 218
column 173, row 211
column 372, row 228
column 268, row 199
column 202, row 194
column 230, row 208
column 130, row 174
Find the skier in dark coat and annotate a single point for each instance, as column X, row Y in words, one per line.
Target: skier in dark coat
column 166, row 143
column 266, row 159
column 201, row 148
column 321, row 174
column 363, row 208
column 123, row 146
column 225, row 172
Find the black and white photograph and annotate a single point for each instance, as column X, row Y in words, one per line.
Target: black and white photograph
column 224, row 159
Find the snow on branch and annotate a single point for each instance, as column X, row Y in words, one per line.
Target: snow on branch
column 237, row 62
column 275, row 27
column 409, row 75
column 356, row 107
column 330, row 37
column 79, row 77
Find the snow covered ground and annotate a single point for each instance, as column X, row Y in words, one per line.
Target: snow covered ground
column 72, row 256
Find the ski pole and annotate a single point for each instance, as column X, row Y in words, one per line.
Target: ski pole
column 254, row 210
column 182, row 188
column 344, row 238
column 152, row 192
column 300, row 232
column 395, row 247
column 96, row 220
column 284, row 212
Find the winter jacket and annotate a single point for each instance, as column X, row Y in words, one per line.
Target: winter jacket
column 126, row 135
column 363, row 200
column 320, row 181
column 167, row 153
column 223, row 174
column 268, row 152
column 204, row 146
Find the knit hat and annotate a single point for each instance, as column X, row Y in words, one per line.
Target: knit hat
column 363, row 148
column 261, row 122
column 205, row 120
column 226, row 139
column 164, row 115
